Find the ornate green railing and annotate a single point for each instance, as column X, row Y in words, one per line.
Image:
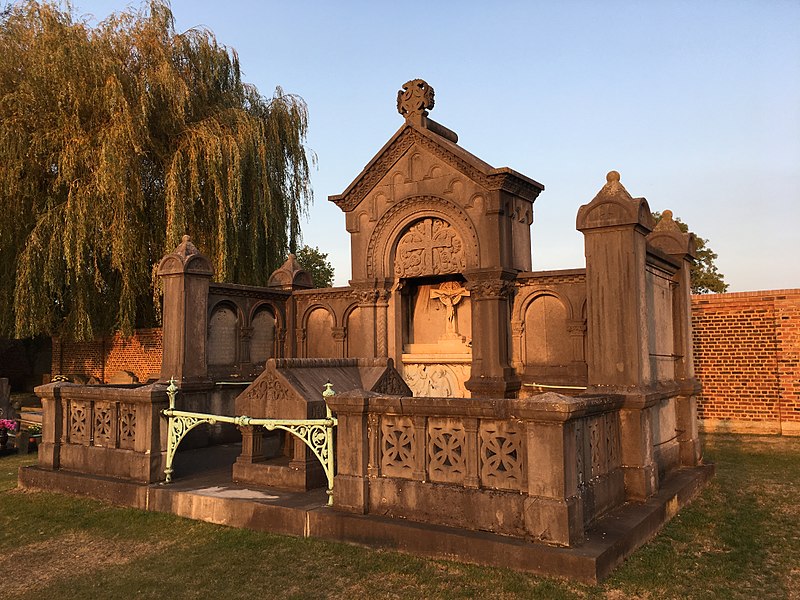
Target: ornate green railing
column 317, row 434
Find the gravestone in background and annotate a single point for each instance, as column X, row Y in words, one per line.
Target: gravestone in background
column 6, row 410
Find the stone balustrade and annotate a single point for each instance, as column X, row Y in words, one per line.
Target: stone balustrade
column 541, row 468
column 104, row 430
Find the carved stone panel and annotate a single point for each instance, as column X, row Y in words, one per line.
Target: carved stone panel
column 397, row 447
column 127, row 426
column 104, row 425
column 79, row 422
column 437, row 380
column 429, row 247
column 501, row 455
column 447, row 450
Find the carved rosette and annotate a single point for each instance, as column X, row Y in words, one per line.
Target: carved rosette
column 429, row 247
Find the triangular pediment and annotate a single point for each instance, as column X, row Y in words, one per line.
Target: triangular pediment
column 409, row 137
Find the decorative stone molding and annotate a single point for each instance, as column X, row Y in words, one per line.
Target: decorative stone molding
column 490, row 288
column 503, row 179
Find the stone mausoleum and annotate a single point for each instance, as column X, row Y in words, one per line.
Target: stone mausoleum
column 486, row 412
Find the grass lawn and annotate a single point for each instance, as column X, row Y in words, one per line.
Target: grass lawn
column 739, row 539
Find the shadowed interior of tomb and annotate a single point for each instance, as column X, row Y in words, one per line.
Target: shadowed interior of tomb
column 439, row 351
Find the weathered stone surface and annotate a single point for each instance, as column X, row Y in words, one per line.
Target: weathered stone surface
column 457, row 442
column 292, row 389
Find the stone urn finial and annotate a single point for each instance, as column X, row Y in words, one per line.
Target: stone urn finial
column 415, row 99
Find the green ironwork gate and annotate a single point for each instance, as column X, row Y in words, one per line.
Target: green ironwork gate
column 317, row 434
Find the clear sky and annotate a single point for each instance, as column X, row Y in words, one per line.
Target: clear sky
column 696, row 103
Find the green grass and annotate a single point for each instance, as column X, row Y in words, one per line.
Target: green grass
column 739, row 539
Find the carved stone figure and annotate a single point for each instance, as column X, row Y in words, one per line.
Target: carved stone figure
column 450, row 294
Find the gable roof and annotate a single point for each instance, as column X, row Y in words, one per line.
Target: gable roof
column 425, row 136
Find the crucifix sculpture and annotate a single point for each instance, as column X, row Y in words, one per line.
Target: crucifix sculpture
column 450, row 294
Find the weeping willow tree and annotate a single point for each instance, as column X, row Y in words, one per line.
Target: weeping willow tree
column 116, row 140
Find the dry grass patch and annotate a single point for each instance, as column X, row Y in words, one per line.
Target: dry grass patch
column 76, row 554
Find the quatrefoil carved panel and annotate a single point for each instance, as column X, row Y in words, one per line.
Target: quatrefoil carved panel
column 127, row 426
column 77, row 422
column 446, row 451
column 501, row 455
column 397, row 447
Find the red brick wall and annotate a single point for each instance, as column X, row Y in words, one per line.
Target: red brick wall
column 747, row 356
column 140, row 354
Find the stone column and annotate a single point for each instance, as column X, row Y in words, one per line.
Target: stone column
column 518, row 336
column 615, row 227
column 367, row 308
column 492, row 374
column 577, row 331
column 351, row 483
column 185, row 274
column 382, row 324
column 339, row 335
column 252, row 444
column 52, row 424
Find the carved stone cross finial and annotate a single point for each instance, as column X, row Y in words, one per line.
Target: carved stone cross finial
column 416, row 98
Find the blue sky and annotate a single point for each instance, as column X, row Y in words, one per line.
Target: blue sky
column 696, row 104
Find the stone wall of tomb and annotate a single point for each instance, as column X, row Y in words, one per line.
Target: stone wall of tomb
column 548, row 329
column 747, row 348
column 747, row 355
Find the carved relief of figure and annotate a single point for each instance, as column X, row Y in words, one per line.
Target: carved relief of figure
column 435, row 380
column 450, row 294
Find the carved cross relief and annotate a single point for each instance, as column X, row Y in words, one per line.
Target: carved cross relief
column 429, row 247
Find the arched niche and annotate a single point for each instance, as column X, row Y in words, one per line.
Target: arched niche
column 446, row 224
column 359, row 340
column 547, row 339
column 319, row 334
column 223, row 336
column 262, row 339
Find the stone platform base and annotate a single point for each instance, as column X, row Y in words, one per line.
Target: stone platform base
column 210, row 496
